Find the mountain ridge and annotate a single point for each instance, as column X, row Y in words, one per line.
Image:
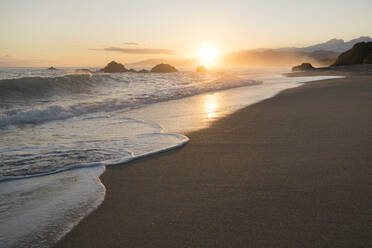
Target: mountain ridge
column 336, row 45
column 321, row 54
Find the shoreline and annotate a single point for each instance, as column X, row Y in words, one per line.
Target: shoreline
column 350, row 70
column 176, row 116
column 159, row 171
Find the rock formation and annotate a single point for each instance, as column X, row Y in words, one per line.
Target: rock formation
column 368, row 59
column 114, row 67
column 361, row 53
column 164, row 68
column 201, row 69
column 303, row 67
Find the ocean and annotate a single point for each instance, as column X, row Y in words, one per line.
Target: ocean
column 59, row 129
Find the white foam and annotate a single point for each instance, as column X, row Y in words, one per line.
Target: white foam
column 38, row 212
column 102, row 93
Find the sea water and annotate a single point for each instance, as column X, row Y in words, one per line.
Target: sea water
column 59, row 129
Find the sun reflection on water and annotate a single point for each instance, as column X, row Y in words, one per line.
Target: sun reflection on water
column 211, row 105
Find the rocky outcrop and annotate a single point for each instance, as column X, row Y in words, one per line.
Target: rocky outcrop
column 164, row 68
column 303, row 67
column 114, row 67
column 201, row 69
column 52, row 68
column 361, row 53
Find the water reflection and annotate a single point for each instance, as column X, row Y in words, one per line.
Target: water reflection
column 211, row 105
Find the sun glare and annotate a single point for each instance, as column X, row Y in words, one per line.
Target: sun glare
column 208, row 54
column 211, row 105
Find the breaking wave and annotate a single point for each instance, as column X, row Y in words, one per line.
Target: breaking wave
column 22, row 100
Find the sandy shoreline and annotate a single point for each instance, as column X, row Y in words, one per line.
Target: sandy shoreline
column 291, row 171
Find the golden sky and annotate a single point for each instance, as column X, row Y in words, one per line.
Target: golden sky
column 94, row 32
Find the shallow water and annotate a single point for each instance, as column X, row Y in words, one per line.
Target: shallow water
column 38, row 212
column 70, row 126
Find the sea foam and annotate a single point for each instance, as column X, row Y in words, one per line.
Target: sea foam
column 35, row 100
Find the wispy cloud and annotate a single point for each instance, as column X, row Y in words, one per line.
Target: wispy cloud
column 135, row 50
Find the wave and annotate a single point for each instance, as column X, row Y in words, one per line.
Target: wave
column 181, row 141
column 39, row 87
column 76, row 83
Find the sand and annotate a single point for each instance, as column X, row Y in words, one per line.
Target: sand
column 291, row 171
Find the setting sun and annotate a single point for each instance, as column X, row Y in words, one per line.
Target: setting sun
column 208, row 54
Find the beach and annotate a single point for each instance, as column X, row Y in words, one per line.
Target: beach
column 167, row 124
column 290, row 171
column 102, row 120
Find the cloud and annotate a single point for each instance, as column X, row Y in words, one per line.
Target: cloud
column 136, row 50
column 131, row 43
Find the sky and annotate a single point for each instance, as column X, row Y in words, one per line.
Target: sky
column 94, row 32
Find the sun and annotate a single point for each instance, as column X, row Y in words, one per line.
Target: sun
column 208, row 54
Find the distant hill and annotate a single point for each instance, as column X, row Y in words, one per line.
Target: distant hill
column 361, row 53
column 335, row 45
column 259, row 57
column 323, row 54
column 278, row 57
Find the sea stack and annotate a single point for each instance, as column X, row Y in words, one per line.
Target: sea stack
column 164, row 68
column 51, row 68
column 201, row 69
column 303, row 67
column 114, row 67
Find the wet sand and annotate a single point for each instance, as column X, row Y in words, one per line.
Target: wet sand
column 291, row 171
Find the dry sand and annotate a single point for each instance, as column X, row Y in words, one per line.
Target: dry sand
column 292, row 171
